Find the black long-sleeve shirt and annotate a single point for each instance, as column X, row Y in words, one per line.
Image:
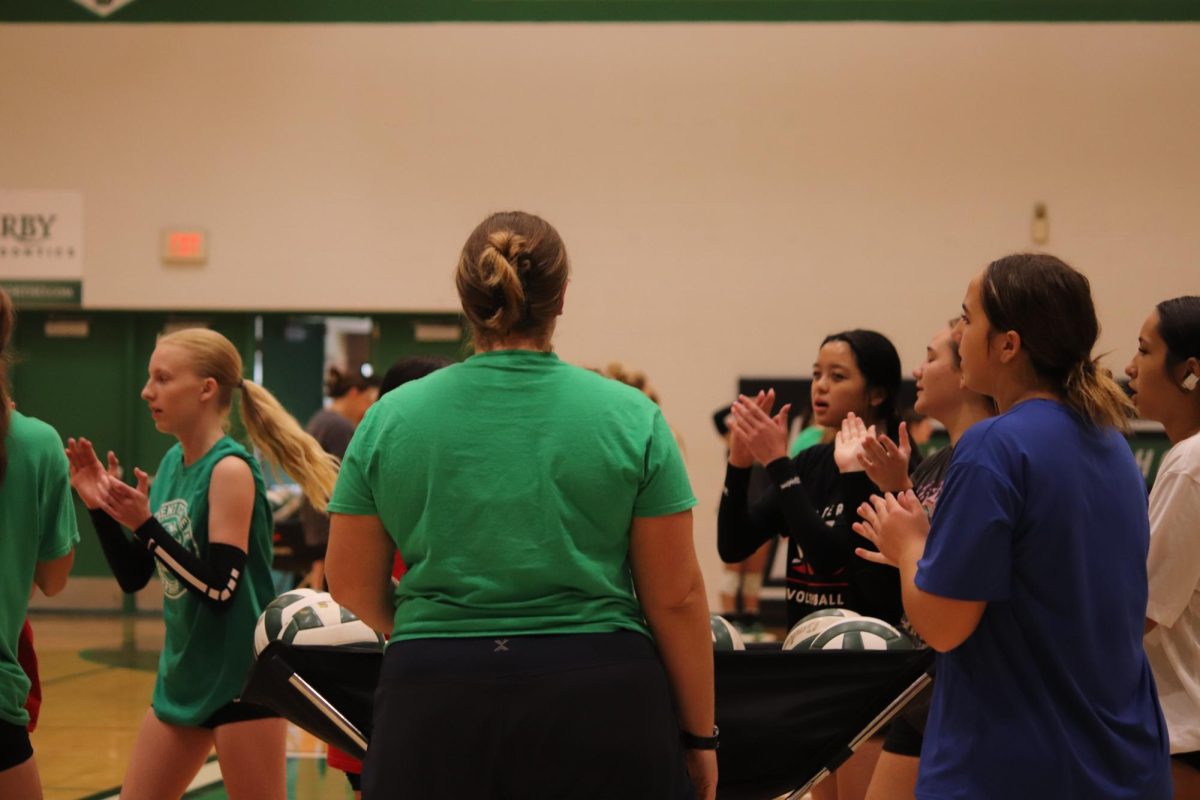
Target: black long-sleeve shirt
column 816, row 505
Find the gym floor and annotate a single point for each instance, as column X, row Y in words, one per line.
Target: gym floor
column 97, row 676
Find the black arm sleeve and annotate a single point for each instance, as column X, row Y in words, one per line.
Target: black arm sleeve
column 827, row 547
column 741, row 527
column 214, row 580
column 130, row 563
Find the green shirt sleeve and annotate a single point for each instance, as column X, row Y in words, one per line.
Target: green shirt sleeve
column 59, row 529
column 665, row 488
column 353, row 493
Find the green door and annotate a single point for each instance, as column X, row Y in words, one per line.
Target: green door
column 83, row 386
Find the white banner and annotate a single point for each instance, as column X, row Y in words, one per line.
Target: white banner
column 41, row 235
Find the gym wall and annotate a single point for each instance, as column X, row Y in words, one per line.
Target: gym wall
column 729, row 192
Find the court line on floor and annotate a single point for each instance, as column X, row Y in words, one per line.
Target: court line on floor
column 70, row 675
column 208, row 775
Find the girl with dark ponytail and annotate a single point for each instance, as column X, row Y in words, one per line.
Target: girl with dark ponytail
column 856, row 380
column 1031, row 582
column 37, row 540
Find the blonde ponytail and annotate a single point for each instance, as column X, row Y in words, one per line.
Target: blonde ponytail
column 631, row 377
column 271, row 429
column 1093, row 394
column 281, row 439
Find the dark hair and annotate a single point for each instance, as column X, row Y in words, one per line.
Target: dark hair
column 1049, row 305
column 1179, row 327
column 409, row 369
column 511, row 277
column 879, row 363
column 8, row 318
column 338, row 383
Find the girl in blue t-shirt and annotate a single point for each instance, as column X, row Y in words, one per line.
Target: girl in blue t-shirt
column 1031, row 582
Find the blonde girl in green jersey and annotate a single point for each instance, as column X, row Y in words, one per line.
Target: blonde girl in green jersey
column 37, row 546
column 206, row 526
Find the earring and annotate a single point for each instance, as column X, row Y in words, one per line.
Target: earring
column 1190, row 382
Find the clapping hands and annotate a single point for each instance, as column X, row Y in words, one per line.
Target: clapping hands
column 103, row 489
column 88, row 476
column 885, row 461
column 848, row 443
column 756, row 435
column 893, row 523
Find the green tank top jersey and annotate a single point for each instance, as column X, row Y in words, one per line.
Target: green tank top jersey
column 206, row 654
column 509, row 483
column 37, row 523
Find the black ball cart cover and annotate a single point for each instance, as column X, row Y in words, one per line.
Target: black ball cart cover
column 786, row 718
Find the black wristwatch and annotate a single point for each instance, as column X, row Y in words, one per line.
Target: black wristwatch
column 694, row 742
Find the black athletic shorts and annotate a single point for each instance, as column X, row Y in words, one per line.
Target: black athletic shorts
column 531, row 717
column 15, row 748
column 355, row 781
column 907, row 729
column 1192, row 759
column 236, row 711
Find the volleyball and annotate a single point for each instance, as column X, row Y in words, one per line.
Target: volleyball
column 724, row 635
column 277, row 615
column 322, row 622
column 812, row 625
column 863, row 633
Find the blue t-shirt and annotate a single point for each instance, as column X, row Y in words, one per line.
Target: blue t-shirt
column 1043, row 517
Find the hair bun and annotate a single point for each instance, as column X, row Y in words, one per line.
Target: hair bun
column 510, row 277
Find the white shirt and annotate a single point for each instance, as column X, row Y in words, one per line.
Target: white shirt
column 1174, row 572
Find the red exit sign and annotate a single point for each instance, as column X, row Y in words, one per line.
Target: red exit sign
column 188, row 246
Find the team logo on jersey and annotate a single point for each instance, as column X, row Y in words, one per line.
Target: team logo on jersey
column 173, row 516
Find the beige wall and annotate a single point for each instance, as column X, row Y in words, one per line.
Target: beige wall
column 729, row 193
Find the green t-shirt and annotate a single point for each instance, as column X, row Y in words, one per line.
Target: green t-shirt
column 37, row 523
column 508, row 483
column 207, row 653
column 805, row 439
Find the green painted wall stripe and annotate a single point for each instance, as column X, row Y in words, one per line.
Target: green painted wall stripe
column 609, row 11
